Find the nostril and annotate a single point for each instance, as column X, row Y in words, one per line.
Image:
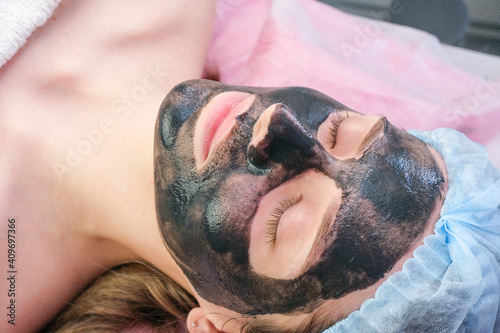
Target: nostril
column 258, row 157
column 259, row 153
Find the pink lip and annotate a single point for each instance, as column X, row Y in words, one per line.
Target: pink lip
column 216, row 120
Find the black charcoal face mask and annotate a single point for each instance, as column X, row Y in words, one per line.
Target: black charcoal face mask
column 205, row 215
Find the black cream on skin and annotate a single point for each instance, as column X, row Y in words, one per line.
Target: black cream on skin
column 205, row 216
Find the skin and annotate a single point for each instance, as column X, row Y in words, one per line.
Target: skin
column 381, row 183
column 101, row 212
column 81, row 67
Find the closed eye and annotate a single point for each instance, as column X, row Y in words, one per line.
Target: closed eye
column 335, row 121
column 275, row 217
column 347, row 135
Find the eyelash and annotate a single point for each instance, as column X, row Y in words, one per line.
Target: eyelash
column 335, row 121
column 276, row 214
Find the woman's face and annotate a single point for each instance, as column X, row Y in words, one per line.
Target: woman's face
column 275, row 200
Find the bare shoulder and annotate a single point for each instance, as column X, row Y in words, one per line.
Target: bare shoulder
column 40, row 270
column 79, row 98
column 94, row 69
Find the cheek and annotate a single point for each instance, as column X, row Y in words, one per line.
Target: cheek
column 242, row 192
column 230, row 211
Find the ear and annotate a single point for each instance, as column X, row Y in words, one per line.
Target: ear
column 198, row 322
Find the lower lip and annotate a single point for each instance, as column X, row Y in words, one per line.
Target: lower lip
column 216, row 120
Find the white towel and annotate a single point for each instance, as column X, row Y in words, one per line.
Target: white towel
column 18, row 20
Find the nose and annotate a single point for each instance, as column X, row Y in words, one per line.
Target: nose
column 278, row 136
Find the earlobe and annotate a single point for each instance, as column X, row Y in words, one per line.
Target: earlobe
column 198, row 322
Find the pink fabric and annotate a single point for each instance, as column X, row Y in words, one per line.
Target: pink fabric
column 370, row 66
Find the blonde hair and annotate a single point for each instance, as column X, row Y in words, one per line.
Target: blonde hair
column 139, row 294
column 132, row 294
column 316, row 322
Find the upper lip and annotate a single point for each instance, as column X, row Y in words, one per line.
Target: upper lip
column 216, row 120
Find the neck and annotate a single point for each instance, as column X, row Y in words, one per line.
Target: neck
column 135, row 236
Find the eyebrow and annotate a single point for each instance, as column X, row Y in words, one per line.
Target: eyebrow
column 323, row 229
column 374, row 131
